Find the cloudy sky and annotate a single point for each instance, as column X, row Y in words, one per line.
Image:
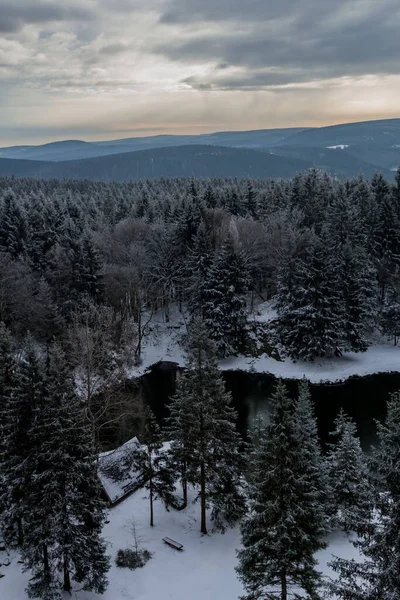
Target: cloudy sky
column 106, row 69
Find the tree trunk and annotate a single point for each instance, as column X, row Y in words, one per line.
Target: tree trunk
column 151, row 508
column 184, row 485
column 139, row 346
column 20, row 532
column 203, row 526
column 67, row 580
column 151, row 493
column 184, row 492
column 283, row 584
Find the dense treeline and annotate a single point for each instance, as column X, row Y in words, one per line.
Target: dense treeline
column 328, row 252
column 50, row 499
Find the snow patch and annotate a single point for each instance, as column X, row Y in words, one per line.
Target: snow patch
column 382, row 358
column 339, row 147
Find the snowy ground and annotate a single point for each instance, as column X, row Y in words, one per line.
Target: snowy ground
column 381, row 358
column 203, row 571
column 163, row 344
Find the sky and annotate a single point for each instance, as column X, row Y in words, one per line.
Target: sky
column 108, row 69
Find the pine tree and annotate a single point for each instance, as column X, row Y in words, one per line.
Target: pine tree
column 390, row 314
column 355, row 275
column 13, row 227
column 188, row 224
column 359, row 295
column 62, row 534
column 348, row 475
column 199, row 265
column 46, row 322
column 17, row 421
column 316, row 193
column 233, row 203
column 42, row 226
column 363, row 197
column 285, row 526
column 388, row 234
column 205, row 444
column 152, row 465
column 91, row 270
column 224, row 308
column 7, row 395
column 378, row 574
column 311, row 312
column 311, row 462
column 209, row 198
column 251, row 200
column 396, row 193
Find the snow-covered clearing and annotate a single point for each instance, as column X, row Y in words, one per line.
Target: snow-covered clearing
column 164, row 344
column 203, row 571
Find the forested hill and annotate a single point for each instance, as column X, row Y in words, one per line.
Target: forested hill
column 198, row 161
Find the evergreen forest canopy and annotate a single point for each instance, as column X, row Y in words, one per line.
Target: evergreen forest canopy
column 326, row 252
column 84, row 267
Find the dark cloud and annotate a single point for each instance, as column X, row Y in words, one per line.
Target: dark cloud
column 188, row 11
column 306, row 40
column 295, row 61
column 14, row 15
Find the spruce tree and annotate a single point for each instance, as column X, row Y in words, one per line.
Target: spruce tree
column 285, row 526
column 251, row 201
column 377, row 575
column 42, row 228
column 224, row 310
column 7, row 396
column 199, row 265
column 359, row 295
column 46, row 321
column 91, row 270
column 62, row 534
column 388, row 234
column 152, row 465
column 348, row 475
column 390, row 314
column 364, row 199
column 354, row 274
column 17, row 421
column 314, row 476
column 310, row 305
column 205, row 444
column 209, row 198
column 13, row 227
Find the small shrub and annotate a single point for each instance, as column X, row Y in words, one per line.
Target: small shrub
column 132, row 559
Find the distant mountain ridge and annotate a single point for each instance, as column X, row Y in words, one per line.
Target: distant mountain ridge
column 77, row 149
column 343, row 150
column 194, row 160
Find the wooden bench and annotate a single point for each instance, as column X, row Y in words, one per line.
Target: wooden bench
column 173, row 544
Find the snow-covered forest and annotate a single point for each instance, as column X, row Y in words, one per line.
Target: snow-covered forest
column 85, row 269
column 326, row 252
